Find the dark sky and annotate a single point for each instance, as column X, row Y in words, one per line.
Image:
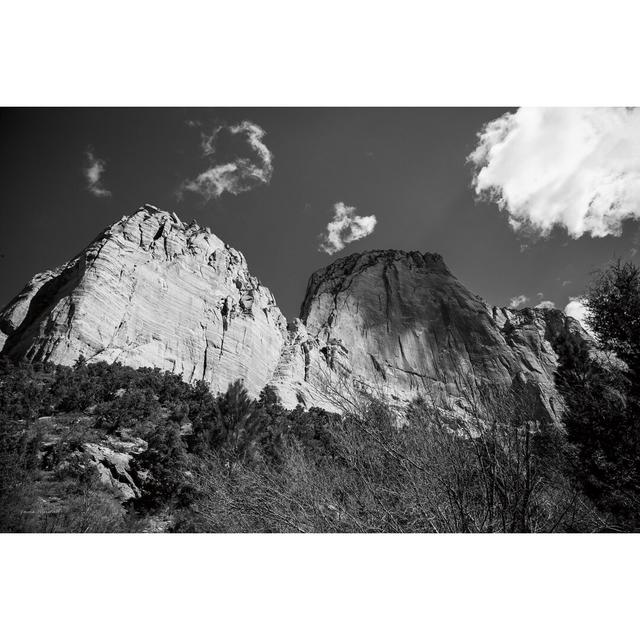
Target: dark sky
column 405, row 166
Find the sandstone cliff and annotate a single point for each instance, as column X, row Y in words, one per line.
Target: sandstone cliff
column 154, row 291
column 12, row 316
column 398, row 324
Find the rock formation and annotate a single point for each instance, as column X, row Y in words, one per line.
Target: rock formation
column 113, row 467
column 153, row 291
column 12, row 316
column 398, row 324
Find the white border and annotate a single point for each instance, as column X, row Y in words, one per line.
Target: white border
column 330, row 53
column 296, row 586
column 335, row 52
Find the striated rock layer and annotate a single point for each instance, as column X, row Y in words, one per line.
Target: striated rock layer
column 398, row 324
column 12, row 316
column 153, row 291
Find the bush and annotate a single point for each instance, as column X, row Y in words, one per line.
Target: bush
column 251, row 465
column 130, row 410
column 163, row 468
column 362, row 473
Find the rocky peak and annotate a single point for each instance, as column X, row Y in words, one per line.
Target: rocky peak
column 165, row 236
column 153, row 291
column 340, row 273
column 357, row 262
column 398, row 324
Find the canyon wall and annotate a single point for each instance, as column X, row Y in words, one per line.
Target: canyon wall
column 153, row 291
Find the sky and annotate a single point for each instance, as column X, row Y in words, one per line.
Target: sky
column 524, row 205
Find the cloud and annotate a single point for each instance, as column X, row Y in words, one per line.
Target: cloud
column 576, row 168
column 518, row 301
column 577, row 309
column 344, row 228
column 546, row 304
column 93, row 171
column 208, row 141
column 235, row 175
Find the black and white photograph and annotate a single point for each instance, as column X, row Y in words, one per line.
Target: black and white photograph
column 427, row 323
column 259, row 328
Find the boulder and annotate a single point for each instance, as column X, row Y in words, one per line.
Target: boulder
column 113, row 468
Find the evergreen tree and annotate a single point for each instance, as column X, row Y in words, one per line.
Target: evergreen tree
column 601, row 421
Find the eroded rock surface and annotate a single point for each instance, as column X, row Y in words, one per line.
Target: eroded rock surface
column 113, row 468
column 12, row 316
column 152, row 291
column 398, row 324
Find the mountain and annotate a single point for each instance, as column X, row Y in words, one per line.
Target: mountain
column 154, row 291
column 397, row 324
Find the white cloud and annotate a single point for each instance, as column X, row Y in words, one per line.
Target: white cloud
column 208, row 141
column 345, row 227
column 93, row 172
column 239, row 174
column 546, row 304
column 576, row 309
column 518, row 301
column 575, row 168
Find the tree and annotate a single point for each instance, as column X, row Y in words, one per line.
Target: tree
column 372, row 472
column 602, row 397
column 165, row 464
column 613, row 311
column 232, row 425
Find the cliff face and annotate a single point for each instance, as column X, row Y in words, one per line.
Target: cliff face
column 12, row 316
column 398, row 324
column 153, row 291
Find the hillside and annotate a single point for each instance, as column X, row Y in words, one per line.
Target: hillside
column 106, row 448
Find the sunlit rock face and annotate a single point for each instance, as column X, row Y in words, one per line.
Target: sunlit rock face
column 152, row 291
column 399, row 325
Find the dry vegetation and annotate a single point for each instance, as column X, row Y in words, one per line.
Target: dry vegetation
column 100, row 447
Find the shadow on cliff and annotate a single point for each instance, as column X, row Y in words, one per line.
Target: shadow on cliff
column 22, row 342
